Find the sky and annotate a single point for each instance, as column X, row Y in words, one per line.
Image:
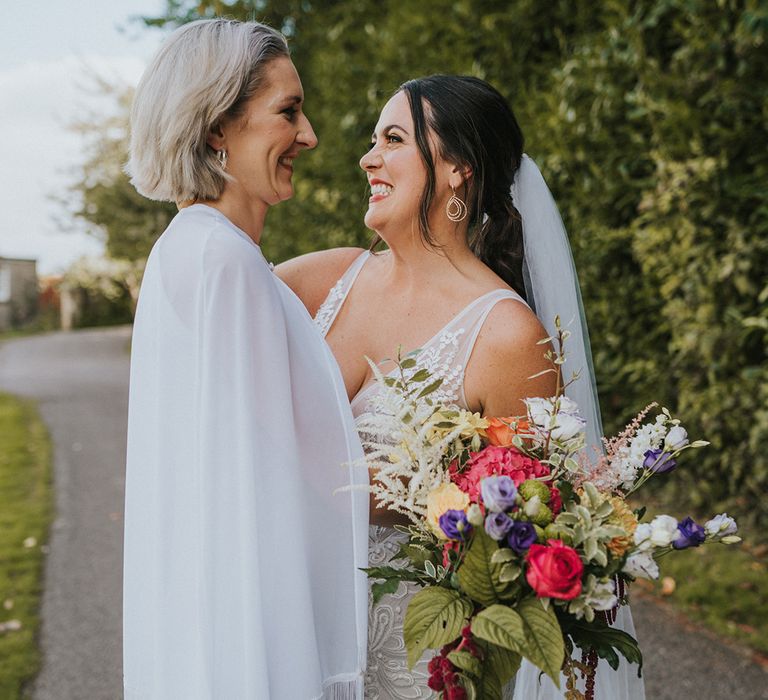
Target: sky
column 49, row 50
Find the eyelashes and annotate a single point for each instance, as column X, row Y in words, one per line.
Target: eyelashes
column 389, row 138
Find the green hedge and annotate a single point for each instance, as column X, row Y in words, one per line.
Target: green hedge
column 649, row 119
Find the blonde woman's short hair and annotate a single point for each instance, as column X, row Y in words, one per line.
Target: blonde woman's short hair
column 205, row 71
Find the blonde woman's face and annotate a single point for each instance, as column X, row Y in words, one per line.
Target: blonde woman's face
column 263, row 142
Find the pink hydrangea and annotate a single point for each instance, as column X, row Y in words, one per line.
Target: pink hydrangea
column 495, row 461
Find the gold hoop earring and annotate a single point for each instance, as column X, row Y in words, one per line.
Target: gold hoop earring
column 221, row 156
column 455, row 209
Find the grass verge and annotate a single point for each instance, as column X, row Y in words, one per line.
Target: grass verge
column 26, row 507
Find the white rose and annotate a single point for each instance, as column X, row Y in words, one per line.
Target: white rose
column 567, row 423
column 721, row 526
column 539, row 411
column 642, row 537
column 663, row 530
column 676, row 439
column 568, row 426
column 641, row 565
column 602, row 596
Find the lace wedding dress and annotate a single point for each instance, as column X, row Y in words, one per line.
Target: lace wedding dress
column 445, row 355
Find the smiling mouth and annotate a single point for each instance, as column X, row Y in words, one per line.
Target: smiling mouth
column 380, row 191
column 286, row 162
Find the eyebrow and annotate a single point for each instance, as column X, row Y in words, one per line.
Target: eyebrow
column 387, row 128
column 295, row 99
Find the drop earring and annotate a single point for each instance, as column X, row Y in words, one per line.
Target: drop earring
column 455, row 209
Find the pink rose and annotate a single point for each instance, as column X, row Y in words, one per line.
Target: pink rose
column 554, row 570
column 495, row 461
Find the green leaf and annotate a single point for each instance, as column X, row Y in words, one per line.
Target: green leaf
column 430, row 388
column 604, row 639
column 503, row 555
column 500, row 625
column 384, row 572
column 379, row 590
column 408, row 363
column 542, row 373
column 566, row 490
column 499, row 667
column 544, row 645
column 421, row 376
column 435, row 616
column 466, row 662
column 478, row 577
column 417, row 555
column 509, row 572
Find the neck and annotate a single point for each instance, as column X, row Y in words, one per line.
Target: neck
column 244, row 212
column 416, row 264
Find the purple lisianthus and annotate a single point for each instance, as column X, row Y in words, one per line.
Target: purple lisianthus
column 455, row 525
column 689, row 534
column 497, row 525
column 498, row 492
column 659, row 461
column 521, row 536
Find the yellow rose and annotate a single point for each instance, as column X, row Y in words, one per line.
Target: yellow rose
column 445, row 497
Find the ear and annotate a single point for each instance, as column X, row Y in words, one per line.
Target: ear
column 459, row 175
column 216, row 139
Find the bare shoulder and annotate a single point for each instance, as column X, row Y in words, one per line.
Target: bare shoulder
column 511, row 328
column 506, row 358
column 311, row 276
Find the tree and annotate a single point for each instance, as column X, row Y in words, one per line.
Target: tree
column 102, row 196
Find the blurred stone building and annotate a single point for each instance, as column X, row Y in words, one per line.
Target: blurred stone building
column 18, row 292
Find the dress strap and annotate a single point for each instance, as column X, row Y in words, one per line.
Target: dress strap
column 473, row 328
column 329, row 309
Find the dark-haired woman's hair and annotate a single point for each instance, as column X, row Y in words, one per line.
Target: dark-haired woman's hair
column 476, row 129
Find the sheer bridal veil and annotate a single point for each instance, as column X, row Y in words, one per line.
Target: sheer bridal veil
column 552, row 288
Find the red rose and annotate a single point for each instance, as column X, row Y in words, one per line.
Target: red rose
column 455, row 692
column 554, row 570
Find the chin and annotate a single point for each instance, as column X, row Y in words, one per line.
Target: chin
column 372, row 221
column 283, row 192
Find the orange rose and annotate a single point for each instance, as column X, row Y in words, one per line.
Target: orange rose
column 500, row 431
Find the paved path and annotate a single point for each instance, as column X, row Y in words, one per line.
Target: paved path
column 80, row 381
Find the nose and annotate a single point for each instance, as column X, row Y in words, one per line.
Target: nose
column 370, row 160
column 306, row 136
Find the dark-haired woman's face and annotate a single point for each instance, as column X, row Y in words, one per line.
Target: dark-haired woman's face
column 395, row 170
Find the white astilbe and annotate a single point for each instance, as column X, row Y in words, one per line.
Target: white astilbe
column 619, row 468
column 408, row 457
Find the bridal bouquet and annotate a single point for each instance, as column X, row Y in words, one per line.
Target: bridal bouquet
column 521, row 543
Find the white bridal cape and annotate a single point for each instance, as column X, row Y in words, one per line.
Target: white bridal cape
column 241, row 576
